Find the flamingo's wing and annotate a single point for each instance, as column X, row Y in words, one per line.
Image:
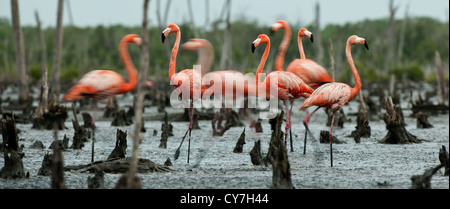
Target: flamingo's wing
column 288, row 85
column 330, row 95
column 188, row 81
column 97, row 84
column 310, row 72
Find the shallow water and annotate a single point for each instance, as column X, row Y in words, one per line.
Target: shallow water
column 367, row 165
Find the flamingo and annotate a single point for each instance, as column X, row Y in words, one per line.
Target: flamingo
column 281, row 24
column 334, row 95
column 288, row 85
column 206, row 59
column 195, row 87
column 205, row 52
column 100, row 84
column 308, row 70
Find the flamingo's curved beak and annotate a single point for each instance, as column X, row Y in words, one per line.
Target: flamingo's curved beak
column 366, row 45
column 255, row 44
column 163, row 37
column 310, row 35
column 274, row 27
column 164, row 34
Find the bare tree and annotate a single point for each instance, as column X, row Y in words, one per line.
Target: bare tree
column 390, row 36
column 225, row 59
column 191, row 16
column 332, row 67
column 440, row 79
column 206, row 13
column 163, row 21
column 56, row 70
column 69, row 10
column 42, row 107
column 145, row 59
column 318, row 38
column 20, row 52
column 401, row 41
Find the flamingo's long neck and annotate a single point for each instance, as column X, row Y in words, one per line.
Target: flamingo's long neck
column 131, row 69
column 173, row 56
column 357, row 88
column 205, row 57
column 279, row 61
column 262, row 62
column 300, row 47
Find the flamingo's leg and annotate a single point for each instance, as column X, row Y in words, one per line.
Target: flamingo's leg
column 331, row 142
column 306, row 124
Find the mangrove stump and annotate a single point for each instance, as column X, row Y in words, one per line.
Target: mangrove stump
column 120, row 148
column 13, row 165
column 422, row 120
column 325, row 138
column 362, row 127
column 255, row 154
column 121, row 165
column 240, row 143
column 56, row 114
column 97, row 181
column 424, row 181
column 397, row 133
column 81, row 135
column 281, row 174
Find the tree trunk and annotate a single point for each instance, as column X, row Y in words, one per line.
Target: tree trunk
column 191, row 17
column 240, row 143
column 13, row 165
column 401, row 41
column 362, row 122
column 422, row 120
column 397, row 134
column 58, row 169
column 145, row 59
column 332, row 67
column 440, row 79
column 281, row 174
column 255, row 154
column 225, row 59
column 120, row 148
column 20, row 52
column 43, row 102
column 56, row 70
column 390, row 37
column 162, row 21
column 317, row 35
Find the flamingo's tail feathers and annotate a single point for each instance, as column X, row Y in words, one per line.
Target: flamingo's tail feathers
column 72, row 94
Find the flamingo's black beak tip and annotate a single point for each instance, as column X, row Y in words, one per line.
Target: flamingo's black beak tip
column 366, row 45
column 312, row 38
column 163, row 37
column 253, row 48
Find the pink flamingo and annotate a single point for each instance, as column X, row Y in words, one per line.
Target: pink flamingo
column 279, row 61
column 308, row 70
column 187, row 76
column 288, row 85
column 206, row 59
column 334, row 95
column 205, row 52
column 100, row 84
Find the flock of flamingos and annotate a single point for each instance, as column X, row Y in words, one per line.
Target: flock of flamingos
column 302, row 78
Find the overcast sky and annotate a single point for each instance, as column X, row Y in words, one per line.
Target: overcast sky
column 129, row 12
